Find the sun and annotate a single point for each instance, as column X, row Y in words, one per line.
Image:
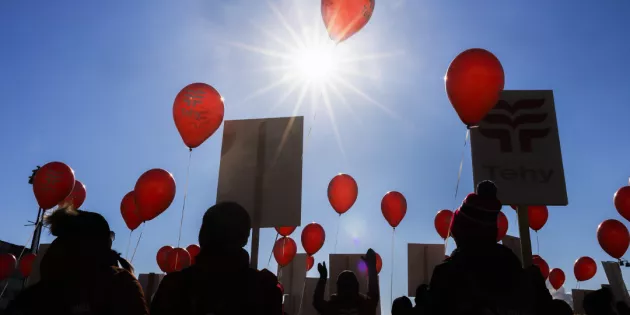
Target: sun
column 317, row 64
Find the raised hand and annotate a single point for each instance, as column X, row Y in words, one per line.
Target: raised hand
column 323, row 271
column 370, row 258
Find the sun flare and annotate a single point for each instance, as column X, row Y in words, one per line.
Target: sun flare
column 302, row 61
column 316, row 63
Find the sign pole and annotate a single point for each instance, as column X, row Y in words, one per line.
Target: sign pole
column 258, row 197
column 526, row 242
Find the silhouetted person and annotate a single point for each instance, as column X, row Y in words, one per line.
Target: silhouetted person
column 421, row 300
column 599, row 302
column 221, row 281
column 402, row 306
column 623, row 309
column 79, row 272
column 348, row 300
column 481, row 275
column 559, row 307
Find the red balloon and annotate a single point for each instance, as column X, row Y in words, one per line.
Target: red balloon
column 7, row 265
column 26, row 264
column 342, row 192
column 584, row 268
column 542, row 265
column 284, row 250
column 442, row 222
column 155, row 191
column 162, row 258
column 76, row 197
column 193, row 250
column 52, row 184
column 178, row 259
column 538, row 216
column 622, row 201
column 379, row 263
column 313, row 237
column 613, row 237
column 310, row 261
column 502, row 226
column 394, row 207
column 198, row 112
column 285, row 230
column 556, row 278
column 474, row 81
column 129, row 211
column 344, row 18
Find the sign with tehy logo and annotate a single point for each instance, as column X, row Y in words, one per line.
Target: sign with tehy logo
column 517, row 146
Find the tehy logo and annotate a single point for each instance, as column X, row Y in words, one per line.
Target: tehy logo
column 504, row 121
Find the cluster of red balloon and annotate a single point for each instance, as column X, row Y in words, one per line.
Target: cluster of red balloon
column 8, row 265
column 198, row 112
column 152, row 195
column 171, row 259
column 285, row 249
column 612, row 235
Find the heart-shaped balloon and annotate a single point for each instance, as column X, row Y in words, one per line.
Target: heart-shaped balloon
column 198, row 112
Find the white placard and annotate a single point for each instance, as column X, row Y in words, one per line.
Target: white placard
column 421, row 260
column 615, row 279
column 265, row 152
column 517, row 146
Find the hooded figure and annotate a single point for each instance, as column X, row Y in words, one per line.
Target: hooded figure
column 221, row 281
column 80, row 273
column 480, row 274
column 348, row 300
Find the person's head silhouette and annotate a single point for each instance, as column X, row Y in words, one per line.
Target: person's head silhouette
column 402, row 306
column 475, row 222
column 84, row 238
column 599, row 302
column 347, row 284
column 225, row 227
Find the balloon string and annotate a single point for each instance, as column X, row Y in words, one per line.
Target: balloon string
column 128, row 244
column 302, row 296
column 19, row 257
column 271, row 252
column 138, row 242
column 461, row 166
column 181, row 222
column 537, row 244
column 337, row 236
column 391, row 280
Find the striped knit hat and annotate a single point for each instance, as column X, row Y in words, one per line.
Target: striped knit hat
column 475, row 222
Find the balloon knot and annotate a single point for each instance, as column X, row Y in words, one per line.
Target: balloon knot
column 189, row 149
column 32, row 177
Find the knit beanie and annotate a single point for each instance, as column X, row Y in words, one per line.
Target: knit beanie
column 475, row 222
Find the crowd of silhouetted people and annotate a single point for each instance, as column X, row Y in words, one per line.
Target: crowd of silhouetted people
column 81, row 274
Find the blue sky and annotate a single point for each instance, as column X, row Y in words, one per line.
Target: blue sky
column 92, row 84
